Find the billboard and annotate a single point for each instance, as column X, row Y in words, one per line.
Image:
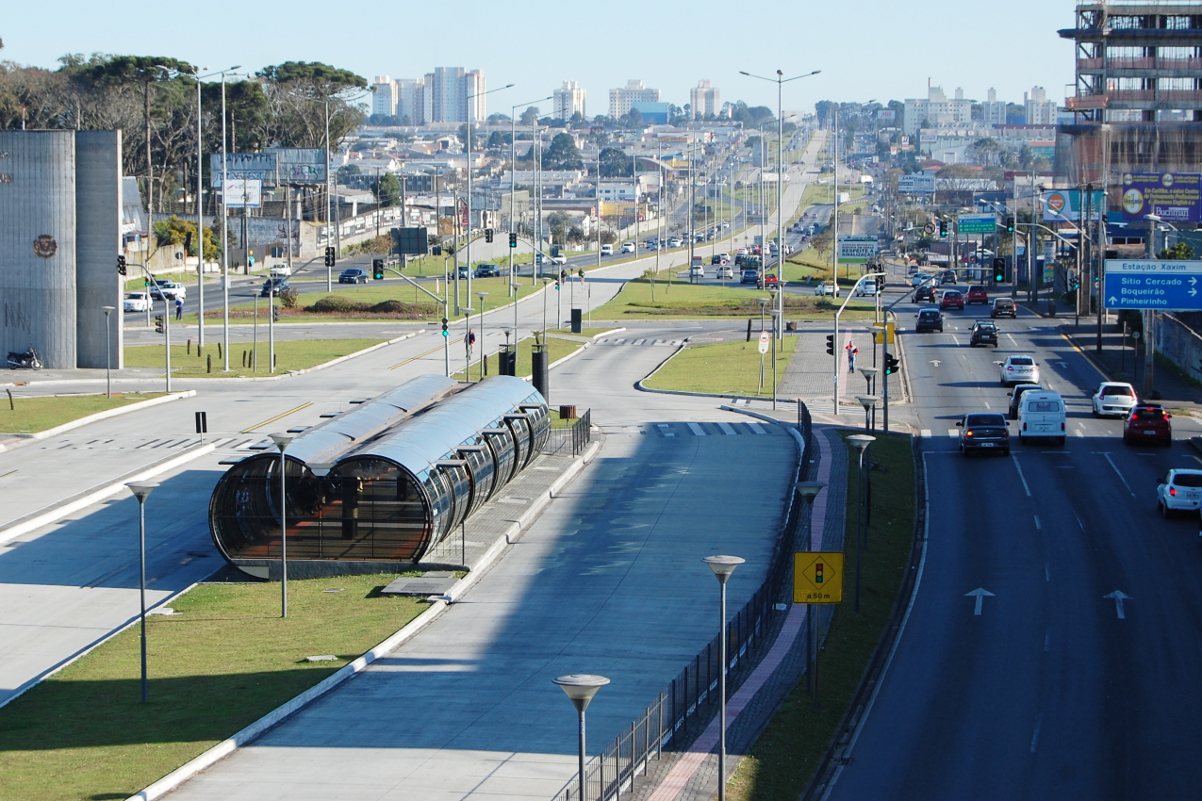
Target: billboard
column 1174, row 197
column 256, row 166
column 921, row 184
column 857, row 249
column 1069, row 204
column 244, row 193
column 886, row 115
column 300, row 165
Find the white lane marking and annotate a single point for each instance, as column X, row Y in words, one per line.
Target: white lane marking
column 1037, row 526
column 756, row 428
column 1012, row 339
column 1196, row 459
column 979, row 594
column 1119, row 596
column 1117, row 473
column 1047, row 571
column 953, row 432
column 1079, row 433
column 1035, row 736
column 727, row 430
column 664, row 430
column 926, row 432
column 955, row 339
column 987, row 406
column 696, row 429
column 1014, row 459
column 1079, row 523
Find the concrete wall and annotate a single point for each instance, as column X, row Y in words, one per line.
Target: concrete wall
column 37, row 199
column 97, row 243
column 1179, row 344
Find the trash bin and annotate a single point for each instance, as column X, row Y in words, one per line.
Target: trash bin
column 1051, row 308
column 567, row 412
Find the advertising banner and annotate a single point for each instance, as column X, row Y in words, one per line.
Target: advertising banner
column 1174, row 197
column 857, row 249
column 244, row 193
column 300, row 165
column 919, row 184
column 1067, row 205
column 886, row 114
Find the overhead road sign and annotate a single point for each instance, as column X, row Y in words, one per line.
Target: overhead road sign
column 818, row 577
column 976, row 223
column 1153, row 284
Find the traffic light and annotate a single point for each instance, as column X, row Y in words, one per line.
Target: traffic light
column 330, row 260
column 556, row 284
column 488, row 235
column 275, row 314
column 377, row 269
column 444, row 326
column 120, row 265
column 999, row 270
column 159, row 324
column 513, row 240
column 1076, row 284
column 892, row 365
column 1009, row 225
column 942, row 228
column 830, row 344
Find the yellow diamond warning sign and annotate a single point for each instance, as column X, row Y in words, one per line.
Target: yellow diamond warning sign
column 818, row 577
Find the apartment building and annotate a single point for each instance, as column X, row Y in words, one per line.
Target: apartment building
column 568, row 100
column 620, row 100
column 704, row 100
column 937, row 110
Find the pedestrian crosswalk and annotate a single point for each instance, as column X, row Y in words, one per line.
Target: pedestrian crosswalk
column 951, row 432
column 673, row 430
column 643, row 342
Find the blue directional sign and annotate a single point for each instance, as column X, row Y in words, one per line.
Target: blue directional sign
column 1153, row 284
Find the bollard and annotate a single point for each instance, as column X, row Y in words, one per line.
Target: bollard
column 210, row 363
column 190, row 347
column 219, row 354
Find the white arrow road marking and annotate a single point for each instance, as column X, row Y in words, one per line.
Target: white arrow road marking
column 1119, row 596
column 980, row 592
column 935, row 362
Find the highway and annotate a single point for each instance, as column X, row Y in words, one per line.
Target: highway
column 1056, row 689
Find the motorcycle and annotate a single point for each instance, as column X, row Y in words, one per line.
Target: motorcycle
column 27, row 359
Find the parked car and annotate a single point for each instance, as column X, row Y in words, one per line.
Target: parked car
column 136, row 302
column 1113, row 398
column 1041, row 415
column 952, row 299
column 274, row 286
column 353, row 275
column 1016, row 395
column 607, row 250
column 1180, row 489
column 1019, row 370
column 169, row 290
column 983, row 431
column 977, row 294
column 750, row 277
column 1004, row 307
column 488, row 271
column 984, row 332
column 1148, row 423
column 929, row 320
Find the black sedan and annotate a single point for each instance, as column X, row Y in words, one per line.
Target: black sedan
column 984, row 332
column 984, row 432
column 274, row 286
column 353, row 275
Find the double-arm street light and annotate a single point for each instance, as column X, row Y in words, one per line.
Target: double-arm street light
column 513, row 164
column 470, row 115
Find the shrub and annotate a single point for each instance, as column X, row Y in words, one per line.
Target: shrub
column 335, row 303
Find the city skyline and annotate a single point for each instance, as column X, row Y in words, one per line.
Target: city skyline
column 937, row 44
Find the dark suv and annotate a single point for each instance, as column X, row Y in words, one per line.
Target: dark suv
column 925, row 292
column 980, row 432
column 1004, row 307
column 488, row 271
column 983, row 333
column 929, row 320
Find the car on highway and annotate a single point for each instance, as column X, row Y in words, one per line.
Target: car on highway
column 1148, row 423
column 924, row 293
column 607, row 250
column 1041, row 415
column 559, row 259
column 169, row 290
column 977, row 294
column 984, row 332
column 951, row 299
column 628, row 247
column 462, row 271
column 917, row 279
column 697, row 271
column 720, row 258
column 1004, row 307
column 280, row 270
column 1016, row 395
column 1179, row 490
column 651, row 244
column 827, row 288
column 136, row 302
column 488, row 271
column 750, row 277
column 947, row 277
column 867, row 288
column 675, row 242
column 928, row 320
column 1113, row 398
column 725, row 271
column 770, row 282
column 1019, row 369
column 984, row 432
column 274, row 286
column 354, row 275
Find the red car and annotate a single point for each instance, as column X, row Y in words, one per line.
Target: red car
column 1148, row 424
column 952, row 299
column 978, row 294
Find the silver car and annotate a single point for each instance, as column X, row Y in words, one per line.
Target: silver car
column 1113, row 398
column 1019, row 370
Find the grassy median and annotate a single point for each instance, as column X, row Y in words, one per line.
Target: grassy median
column 727, row 368
column 225, row 660
column 557, row 348
column 189, row 362
column 784, row 759
column 640, row 300
column 30, row 415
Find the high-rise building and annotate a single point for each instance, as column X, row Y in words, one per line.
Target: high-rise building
column 413, row 100
column 634, row 92
column 937, row 110
column 452, row 94
column 1040, row 111
column 993, row 111
column 568, row 100
column 704, row 100
column 384, row 96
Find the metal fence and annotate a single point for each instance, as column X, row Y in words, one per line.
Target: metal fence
column 612, row 772
column 571, row 440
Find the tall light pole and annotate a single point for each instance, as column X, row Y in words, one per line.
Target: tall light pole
column 108, row 350
column 809, row 490
column 581, row 687
column 513, row 165
column 471, row 114
column 281, row 441
column 722, row 566
column 225, row 239
column 483, row 354
column 860, row 442
column 142, row 490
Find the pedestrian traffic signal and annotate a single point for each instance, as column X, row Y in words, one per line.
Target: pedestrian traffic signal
column 159, row 324
column 999, row 270
column 377, row 269
column 892, row 365
column 1009, row 225
column 275, row 314
column 488, row 235
column 830, row 344
column 513, row 240
column 444, row 326
column 943, row 228
column 330, row 260
column 121, row 265
column 556, row 284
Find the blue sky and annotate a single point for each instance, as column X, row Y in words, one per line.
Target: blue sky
column 870, row 49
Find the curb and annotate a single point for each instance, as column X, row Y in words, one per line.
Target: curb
column 41, row 518
column 247, row 735
column 106, row 414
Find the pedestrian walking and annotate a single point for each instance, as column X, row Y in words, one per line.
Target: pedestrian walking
column 852, row 352
column 179, row 309
column 470, row 341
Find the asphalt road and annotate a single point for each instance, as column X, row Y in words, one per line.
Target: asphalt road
column 1053, row 690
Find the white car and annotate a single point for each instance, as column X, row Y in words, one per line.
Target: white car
column 628, row 247
column 607, row 250
column 1019, row 370
column 675, row 242
column 169, row 290
column 559, row 259
column 867, row 288
column 281, row 270
column 136, row 302
column 725, row 272
column 827, row 288
column 1113, row 398
column 1179, row 489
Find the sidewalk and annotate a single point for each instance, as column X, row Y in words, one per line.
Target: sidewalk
column 1127, row 364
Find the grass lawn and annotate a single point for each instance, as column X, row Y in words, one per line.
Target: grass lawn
column 682, row 299
column 289, row 355
column 558, row 348
column 727, row 368
column 223, row 661
column 782, row 762
column 30, row 415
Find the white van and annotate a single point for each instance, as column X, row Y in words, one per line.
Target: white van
column 1041, row 415
column 280, row 270
column 607, row 250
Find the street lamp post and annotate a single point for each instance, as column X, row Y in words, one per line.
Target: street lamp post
column 281, row 441
column 869, row 404
column 860, row 442
column 141, row 490
column 108, row 350
column 869, row 374
column 470, row 115
column 580, row 688
column 722, row 566
column 513, row 164
column 483, row 353
column 225, row 238
column 809, row 490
